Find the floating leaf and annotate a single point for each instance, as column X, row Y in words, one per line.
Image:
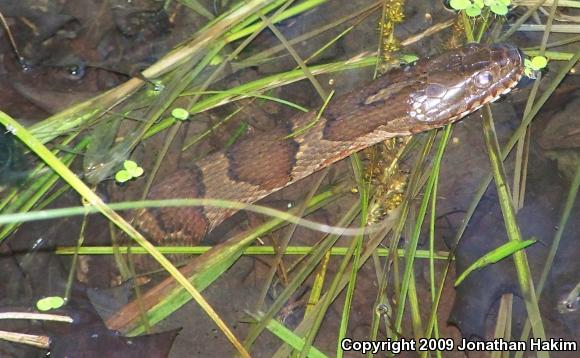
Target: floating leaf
column 180, row 113
column 409, row 58
column 123, row 176
column 50, row 303
column 474, row 9
column 132, row 170
column 216, row 60
column 538, row 62
column 129, row 165
column 460, row 4
column 531, row 67
column 499, row 9
column 137, row 172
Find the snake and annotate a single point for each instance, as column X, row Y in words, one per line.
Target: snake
column 432, row 93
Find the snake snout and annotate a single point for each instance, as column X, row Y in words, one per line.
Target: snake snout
column 509, row 62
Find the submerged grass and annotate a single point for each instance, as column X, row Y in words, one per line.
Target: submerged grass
column 364, row 198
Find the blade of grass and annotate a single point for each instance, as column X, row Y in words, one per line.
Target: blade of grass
column 522, row 149
column 197, row 7
column 234, row 93
column 35, row 189
column 166, row 297
column 363, row 13
column 412, row 189
column 565, row 41
column 321, row 92
column 364, row 193
column 513, row 231
column 327, row 300
column 252, row 250
column 502, row 326
column 412, row 246
column 529, row 12
column 303, row 6
column 318, row 282
column 188, row 78
column 50, row 159
column 432, row 281
column 277, row 262
column 518, row 133
column 495, row 255
column 570, row 200
column 83, row 113
column 308, row 266
column 370, row 246
column 225, row 204
column 289, row 337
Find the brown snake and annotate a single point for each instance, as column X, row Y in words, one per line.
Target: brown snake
column 434, row 92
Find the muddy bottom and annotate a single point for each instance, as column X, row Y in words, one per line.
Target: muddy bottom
column 71, row 51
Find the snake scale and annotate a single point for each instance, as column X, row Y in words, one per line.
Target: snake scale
column 434, row 92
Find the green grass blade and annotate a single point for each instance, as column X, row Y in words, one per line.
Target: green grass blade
column 363, row 189
column 94, row 200
column 203, row 271
column 290, row 338
column 412, row 246
column 370, row 246
column 413, row 187
column 570, row 201
column 197, row 7
column 299, row 277
column 494, row 256
column 252, row 250
column 519, row 132
column 513, row 231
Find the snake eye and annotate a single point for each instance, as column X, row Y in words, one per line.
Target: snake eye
column 483, row 79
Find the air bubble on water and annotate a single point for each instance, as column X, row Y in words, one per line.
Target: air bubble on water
column 10, row 128
column 77, row 71
column 74, row 71
column 383, row 309
column 24, row 65
column 158, row 86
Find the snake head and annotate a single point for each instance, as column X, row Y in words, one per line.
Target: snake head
column 461, row 81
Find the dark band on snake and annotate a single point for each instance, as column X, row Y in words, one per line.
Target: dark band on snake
column 434, row 92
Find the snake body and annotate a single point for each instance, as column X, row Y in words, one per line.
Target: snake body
column 434, row 92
